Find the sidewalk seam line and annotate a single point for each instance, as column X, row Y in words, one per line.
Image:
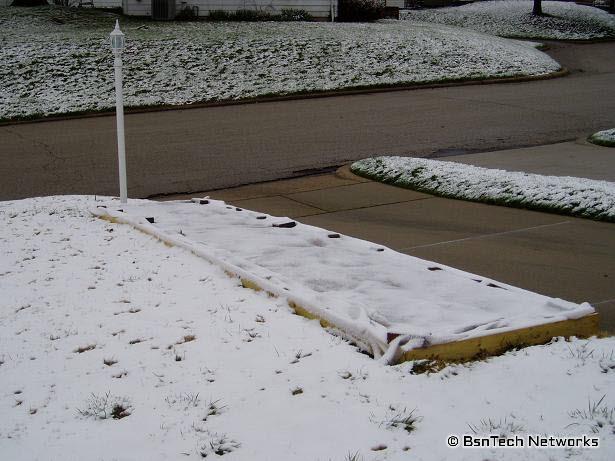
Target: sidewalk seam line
column 302, row 203
column 494, row 234
column 371, row 206
column 355, row 182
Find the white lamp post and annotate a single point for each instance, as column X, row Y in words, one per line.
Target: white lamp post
column 117, row 46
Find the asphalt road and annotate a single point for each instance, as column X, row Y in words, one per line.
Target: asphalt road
column 209, row 148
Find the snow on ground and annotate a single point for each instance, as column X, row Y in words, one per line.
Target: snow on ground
column 116, row 346
column 53, row 68
column 513, row 18
column 588, row 198
column 604, row 138
column 353, row 284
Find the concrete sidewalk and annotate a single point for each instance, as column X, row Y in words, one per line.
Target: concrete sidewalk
column 555, row 255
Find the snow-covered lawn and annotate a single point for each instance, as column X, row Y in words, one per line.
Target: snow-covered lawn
column 52, row 68
column 582, row 197
column 604, row 138
column 513, row 18
column 116, row 346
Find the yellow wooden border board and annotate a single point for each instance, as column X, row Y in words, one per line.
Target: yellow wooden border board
column 481, row 347
column 467, row 349
column 485, row 346
column 474, row 348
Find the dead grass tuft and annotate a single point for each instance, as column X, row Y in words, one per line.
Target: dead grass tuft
column 82, row 349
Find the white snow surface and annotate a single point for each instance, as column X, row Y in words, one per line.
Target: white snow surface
column 364, row 289
column 513, row 18
column 51, row 68
column 605, row 137
column 565, row 194
column 216, row 365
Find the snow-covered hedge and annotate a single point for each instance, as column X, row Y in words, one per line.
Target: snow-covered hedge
column 604, row 138
column 513, row 18
column 62, row 65
column 586, row 198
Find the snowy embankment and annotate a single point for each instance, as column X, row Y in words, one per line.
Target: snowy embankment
column 587, row 198
column 354, row 285
column 513, row 18
column 603, row 138
column 54, row 68
column 116, row 346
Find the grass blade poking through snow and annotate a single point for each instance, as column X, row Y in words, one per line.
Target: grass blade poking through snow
column 581, row 197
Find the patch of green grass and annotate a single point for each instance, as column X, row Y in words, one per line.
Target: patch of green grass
column 403, row 419
column 82, row 349
column 106, row 406
column 502, row 427
column 218, row 444
column 296, row 390
column 109, row 361
column 214, row 407
column 597, row 416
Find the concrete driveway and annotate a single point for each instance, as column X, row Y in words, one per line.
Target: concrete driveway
column 208, row 148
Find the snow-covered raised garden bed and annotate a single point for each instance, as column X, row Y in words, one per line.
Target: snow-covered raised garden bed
column 604, row 138
column 513, row 18
column 587, row 198
column 370, row 293
column 54, row 68
column 116, row 346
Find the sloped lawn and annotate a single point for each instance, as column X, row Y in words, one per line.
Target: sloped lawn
column 513, row 18
column 58, row 62
column 116, row 346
